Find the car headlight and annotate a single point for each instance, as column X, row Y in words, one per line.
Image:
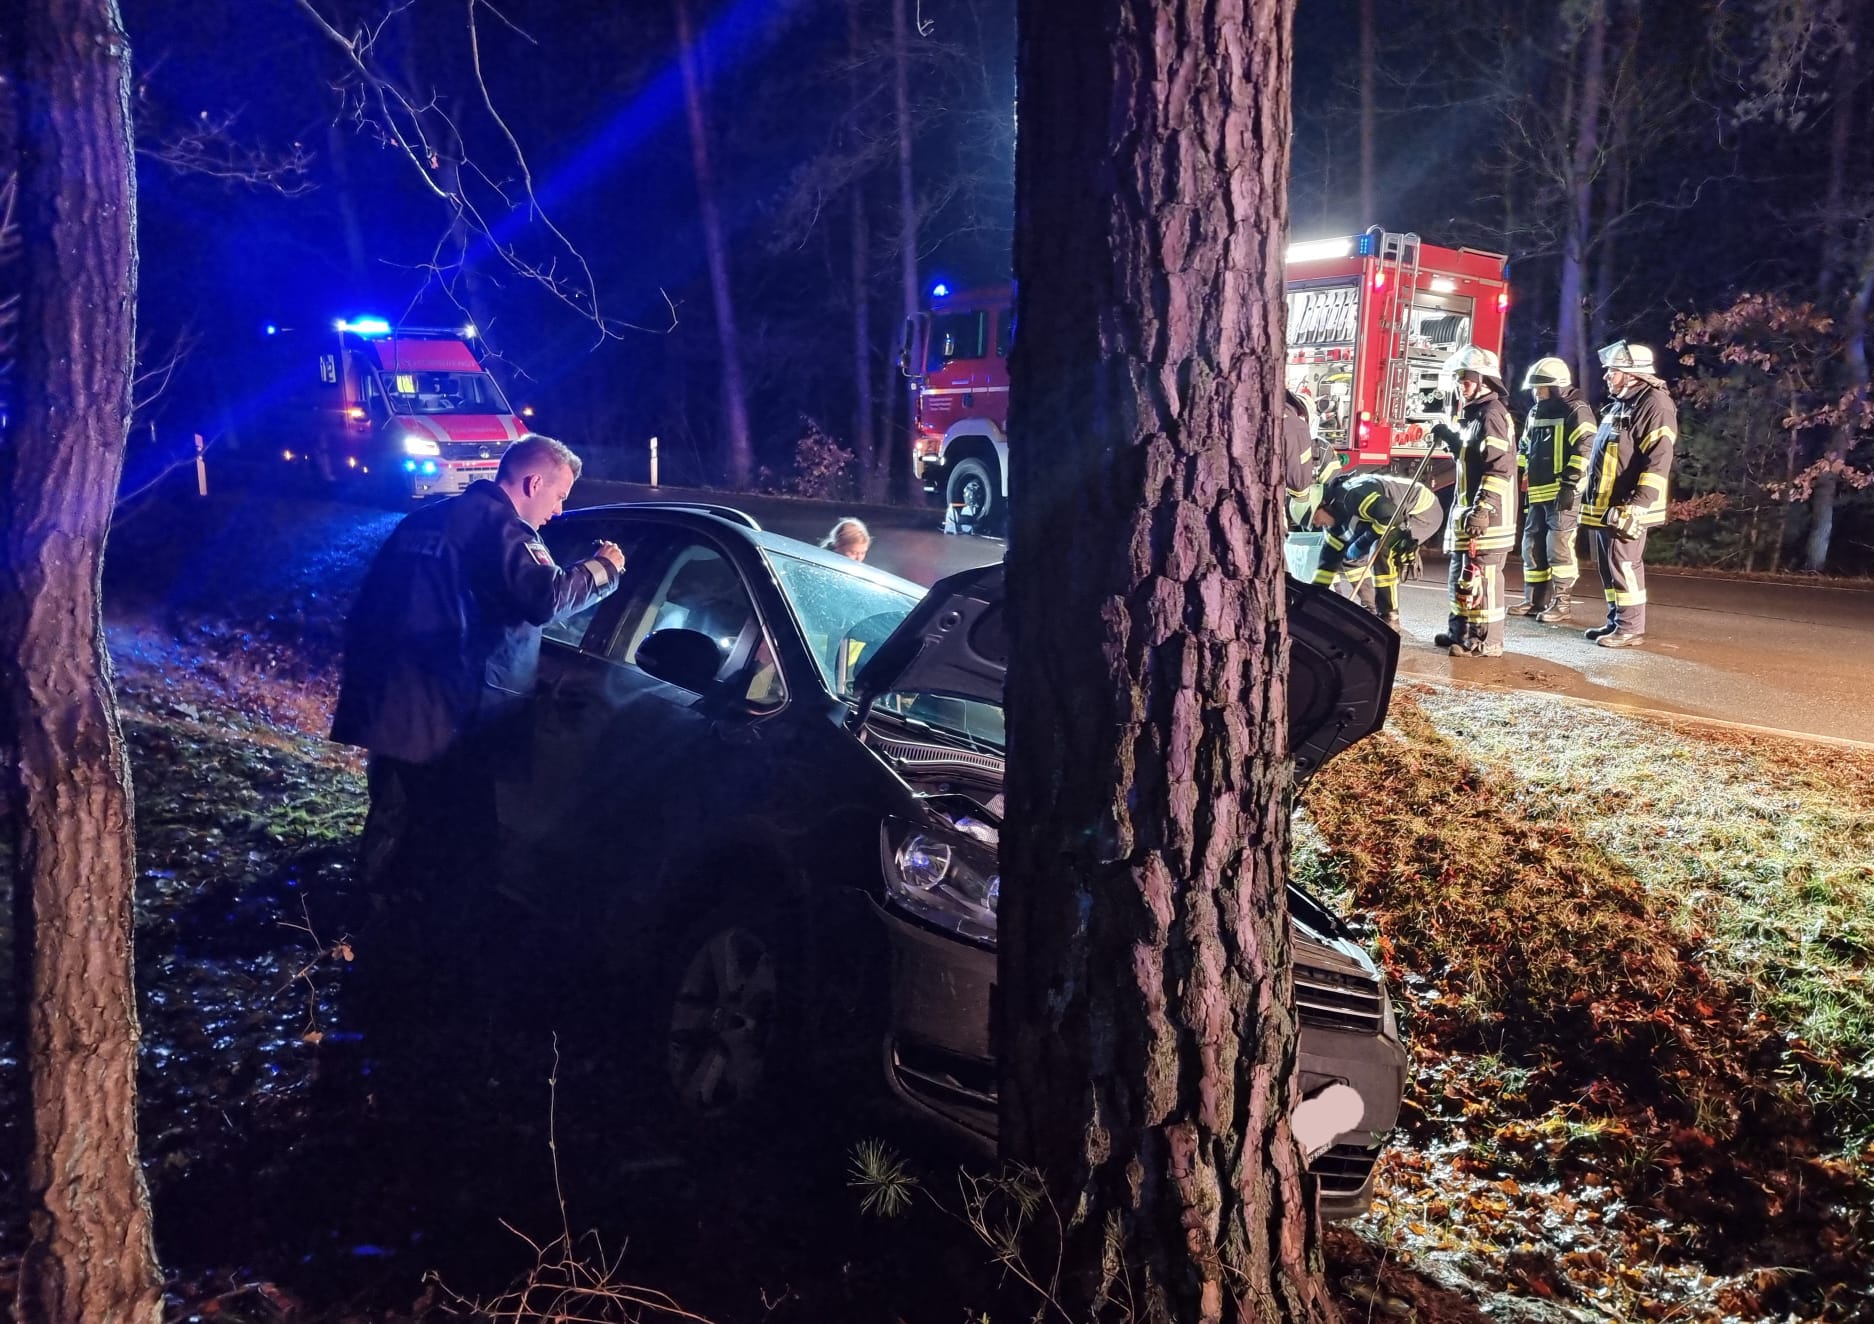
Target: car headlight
column 945, row 876
column 419, row 445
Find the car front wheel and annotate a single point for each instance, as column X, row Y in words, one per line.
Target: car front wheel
column 727, row 1029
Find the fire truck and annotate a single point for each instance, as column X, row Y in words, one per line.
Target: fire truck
column 406, row 411
column 1371, row 317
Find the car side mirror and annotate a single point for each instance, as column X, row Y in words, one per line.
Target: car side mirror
column 688, row 659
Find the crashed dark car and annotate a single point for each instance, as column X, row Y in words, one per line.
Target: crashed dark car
column 768, row 778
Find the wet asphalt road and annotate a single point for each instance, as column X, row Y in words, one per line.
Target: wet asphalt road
column 1792, row 657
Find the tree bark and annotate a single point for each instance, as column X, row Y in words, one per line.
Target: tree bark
column 1571, row 331
column 864, row 436
column 1855, row 378
column 1148, row 1037
column 89, row 1255
column 900, row 463
column 740, row 452
column 1854, row 363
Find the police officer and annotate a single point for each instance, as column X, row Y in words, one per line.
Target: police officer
column 1483, row 513
column 1553, row 454
column 1376, row 523
column 1625, row 495
column 1308, row 461
column 442, row 646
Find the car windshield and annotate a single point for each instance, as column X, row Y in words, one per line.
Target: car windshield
column 844, row 617
column 442, row 393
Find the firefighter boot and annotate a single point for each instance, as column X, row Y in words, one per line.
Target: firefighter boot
column 1557, row 610
column 1534, row 603
column 1600, row 631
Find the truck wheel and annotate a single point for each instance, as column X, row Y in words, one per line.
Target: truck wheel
column 971, row 494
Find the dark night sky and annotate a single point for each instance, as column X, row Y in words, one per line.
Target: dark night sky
column 595, row 99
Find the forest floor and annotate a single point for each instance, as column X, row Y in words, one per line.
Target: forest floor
column 1631, row 958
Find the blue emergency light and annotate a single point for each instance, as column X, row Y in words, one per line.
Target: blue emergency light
column 273, row 329
column 1368, row 245
column 939, row 290
column 364, row 326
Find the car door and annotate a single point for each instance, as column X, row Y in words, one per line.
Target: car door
column 628, row 770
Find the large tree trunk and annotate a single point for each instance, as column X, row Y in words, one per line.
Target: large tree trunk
column 901, row 465
column 1854, row 363
column 740, row 453
column 89, row 1254
column 1855, row 379
column 872, row 482
column 1148, row 1038
column 1571, row 333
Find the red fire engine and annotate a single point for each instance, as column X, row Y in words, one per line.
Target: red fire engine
column 410, row 410
column 1371, row 318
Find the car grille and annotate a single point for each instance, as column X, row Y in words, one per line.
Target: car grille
column 1344, row 1169
column 1337, row 1001
column 928, row 757
column 472, row 450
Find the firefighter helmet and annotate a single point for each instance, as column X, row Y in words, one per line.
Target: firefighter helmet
column 1625, row 356
column 1473, row 358
column 1547, row 372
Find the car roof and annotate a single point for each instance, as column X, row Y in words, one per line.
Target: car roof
column 726, row 521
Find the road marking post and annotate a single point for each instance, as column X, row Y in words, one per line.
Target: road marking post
column 201, row 467
column 653, row 461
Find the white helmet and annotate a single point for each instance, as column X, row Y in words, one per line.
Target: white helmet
column 1306, row 406
column 1547, row 372
column 1625, row 356
column 1473, row 359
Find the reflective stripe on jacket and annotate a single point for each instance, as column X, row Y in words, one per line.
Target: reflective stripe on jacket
column 1632, row 458
column 1486, row 475
column 1554, row 448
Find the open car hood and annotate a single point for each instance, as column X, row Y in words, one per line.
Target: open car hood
column 1342, row 659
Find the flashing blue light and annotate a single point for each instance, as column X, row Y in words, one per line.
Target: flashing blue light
column 429, row 466
column 273, row 329
column 409, row 466
column 1368, row 245
column 939, row 290
column 364, row 326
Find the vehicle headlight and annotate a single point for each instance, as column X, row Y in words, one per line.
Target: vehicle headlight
column 947, row 877
column 414, row 444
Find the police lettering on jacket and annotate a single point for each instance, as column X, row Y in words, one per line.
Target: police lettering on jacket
column 444, row 639
column 1632, row 457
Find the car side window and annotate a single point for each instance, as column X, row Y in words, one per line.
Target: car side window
column 695, row 587
column 571, row 541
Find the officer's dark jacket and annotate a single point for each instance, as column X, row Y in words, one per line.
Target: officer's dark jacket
column 1486, row 474
column 444, row 638
column 1632, row 457
column 1554, row 449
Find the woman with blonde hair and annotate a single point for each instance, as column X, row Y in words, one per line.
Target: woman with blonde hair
column 849, row 538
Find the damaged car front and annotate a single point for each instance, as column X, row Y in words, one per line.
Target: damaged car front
column 941, row 675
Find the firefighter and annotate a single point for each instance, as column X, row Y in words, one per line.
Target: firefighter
column 1625, row 494
column 1375, row 525
column 1553, row 455
column 1483, row 512
column 1308, row 461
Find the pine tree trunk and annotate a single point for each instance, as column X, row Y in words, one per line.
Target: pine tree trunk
column 89, row 1254
column 1145, row 989
column 864, row 437
column 1855, row 378
column 740, row 452
column 1571, row 332
column 1854, row 364
column 900, row 460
